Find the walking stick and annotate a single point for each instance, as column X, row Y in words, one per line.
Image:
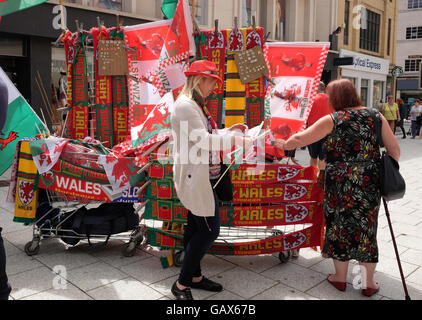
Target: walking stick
column 387, row 213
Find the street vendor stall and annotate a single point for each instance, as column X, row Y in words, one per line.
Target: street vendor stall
column 115, row 144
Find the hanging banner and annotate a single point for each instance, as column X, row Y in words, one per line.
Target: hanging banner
column 216, row 52
column 249, row 174
column 255, row 90
column 70, row 49
column 120, row 101
column 273, row 193
column 241, row 216
column 146, row 41
column 296, row 69
column 26, row 197
column 235, row 90
column 80, row 104
column 309, row 237
column 103, row 94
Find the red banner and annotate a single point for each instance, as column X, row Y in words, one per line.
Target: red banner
column 296, row 69
column 274, row 173
column 103, row 95
column 273, row 193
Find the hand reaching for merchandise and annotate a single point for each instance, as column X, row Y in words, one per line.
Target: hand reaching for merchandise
column 239, row 127
column 279, row 143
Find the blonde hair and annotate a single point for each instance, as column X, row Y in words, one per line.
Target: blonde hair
column 192, row 83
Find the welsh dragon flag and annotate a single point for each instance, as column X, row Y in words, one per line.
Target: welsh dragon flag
column 179, row 43
column 17, row 121
column 156, row 128
column 10, row 6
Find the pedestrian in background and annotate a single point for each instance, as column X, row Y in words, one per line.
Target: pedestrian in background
column 193, row 179
column 320, row 108
column 352, row 195
column 402, row 112
column 390, row 110
column 415, row 112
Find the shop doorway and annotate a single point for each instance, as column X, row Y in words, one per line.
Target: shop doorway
column 17, row 69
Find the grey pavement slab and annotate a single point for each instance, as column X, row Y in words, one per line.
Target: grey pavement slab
column 94, row 275
column 125, row 289
column 68, row 292
column 243, row 282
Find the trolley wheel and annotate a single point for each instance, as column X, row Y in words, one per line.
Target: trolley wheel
column 284, row 256
column 178, row 258
column 129, row 249
column 32, row 248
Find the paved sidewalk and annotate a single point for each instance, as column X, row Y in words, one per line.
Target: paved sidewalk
column 103, row 273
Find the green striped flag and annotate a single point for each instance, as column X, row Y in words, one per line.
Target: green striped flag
column 17, row 121
column 10, row 6
column 168, row 8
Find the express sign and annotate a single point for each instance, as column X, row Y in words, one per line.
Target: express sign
column 366, row 63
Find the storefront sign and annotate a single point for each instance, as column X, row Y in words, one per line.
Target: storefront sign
column 366, row 63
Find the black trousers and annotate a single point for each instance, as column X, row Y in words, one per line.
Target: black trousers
column 400, row 124
column 199, row 235
column 4, row 285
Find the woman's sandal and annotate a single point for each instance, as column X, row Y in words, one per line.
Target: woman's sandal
column 369, row 292
column 341, row 286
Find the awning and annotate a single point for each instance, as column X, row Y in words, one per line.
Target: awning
column 407, row 84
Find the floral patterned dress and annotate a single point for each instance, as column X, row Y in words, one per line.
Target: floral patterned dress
column 352, row 196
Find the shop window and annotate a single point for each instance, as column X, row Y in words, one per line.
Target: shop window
column 378, row 93
column 414, row 33
column 414, row 4
column 369, row 36
column 364, row 90
column 412, row 65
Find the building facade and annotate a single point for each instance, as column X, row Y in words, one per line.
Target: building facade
column 27, row 37
column 409, row 49
column 369, row 35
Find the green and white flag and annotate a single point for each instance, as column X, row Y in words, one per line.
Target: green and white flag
column 10, row 6
column 17, row 121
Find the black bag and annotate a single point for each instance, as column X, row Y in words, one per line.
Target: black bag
column 107, row 219
column 419, row 120
column 392, row 184
column 224, row 189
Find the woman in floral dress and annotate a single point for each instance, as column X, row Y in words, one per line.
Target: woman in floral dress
column 352, row 196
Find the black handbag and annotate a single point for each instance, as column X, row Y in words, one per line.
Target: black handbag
column 224, row 188
column 419, row 120
column 392, row 184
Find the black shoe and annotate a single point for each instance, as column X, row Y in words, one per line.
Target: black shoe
column 185, row 294
column 208, row 285
column 404, row 137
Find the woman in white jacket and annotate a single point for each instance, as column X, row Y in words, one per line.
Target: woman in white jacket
column 196, row 169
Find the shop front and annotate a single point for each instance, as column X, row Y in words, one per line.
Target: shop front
column 370, row 76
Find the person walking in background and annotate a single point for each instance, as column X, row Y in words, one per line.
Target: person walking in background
column 390, row 111
column 380, row 105
column 320, row 108
column 352, row 195
column 193, row 179
column 402, row 112
column 415, row 112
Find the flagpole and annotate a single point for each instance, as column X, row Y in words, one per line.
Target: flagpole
column 216, row 184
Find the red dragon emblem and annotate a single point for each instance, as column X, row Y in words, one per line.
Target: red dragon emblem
column 294, row 192
column 216, row 41
column 26, row 192
column 294, row 241
column 290, row 96
column 236, row 41
column 253, row 39
column 4, row 142
column 296, row 213
column 286, row 173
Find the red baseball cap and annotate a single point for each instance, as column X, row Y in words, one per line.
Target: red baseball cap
column 205, row 68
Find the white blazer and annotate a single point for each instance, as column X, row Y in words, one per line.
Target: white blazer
column 192, row 143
